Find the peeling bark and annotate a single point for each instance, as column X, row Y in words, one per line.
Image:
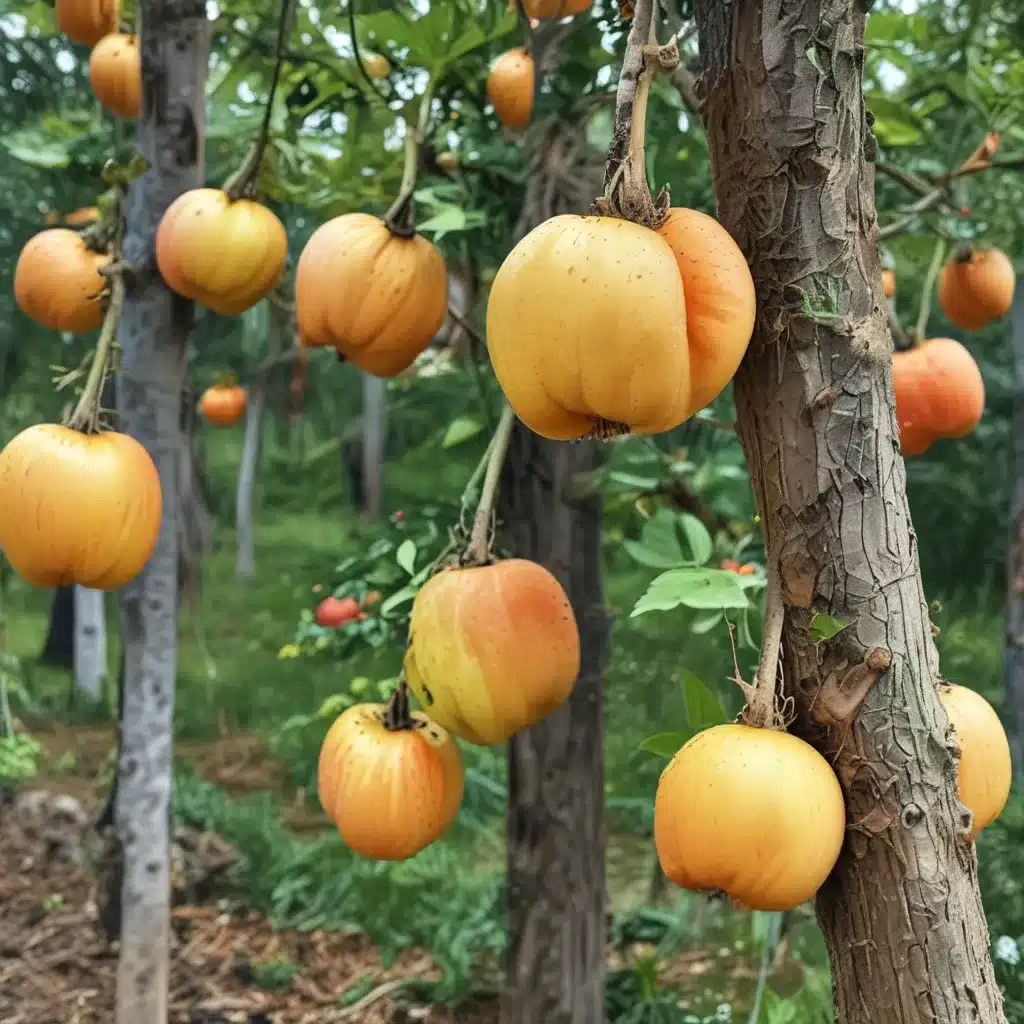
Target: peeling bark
column 154, row 333
column 1014, row 656
column 790, row 148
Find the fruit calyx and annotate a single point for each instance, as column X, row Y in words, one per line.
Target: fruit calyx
column 397, row 715
column 626, row 193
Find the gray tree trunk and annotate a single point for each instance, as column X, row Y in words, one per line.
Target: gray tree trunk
column 90, row 642
column 790, row 148
column 1013, row 712
column 375, row 430
column 174, row 41
column 556, row 880
column 279, row 335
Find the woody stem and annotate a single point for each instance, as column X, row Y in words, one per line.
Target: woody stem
column 925, row 308
column 477, row 549
column 86, row 414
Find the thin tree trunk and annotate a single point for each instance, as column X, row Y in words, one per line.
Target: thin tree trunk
column 556, row 882
column 59, row 647
column 90, row 642
column 173, row 40
column 1013, row 712
column 279, row 332
column 790, row 147
column 375, row 430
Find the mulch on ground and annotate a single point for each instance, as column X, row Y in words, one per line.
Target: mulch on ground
column 57, row 967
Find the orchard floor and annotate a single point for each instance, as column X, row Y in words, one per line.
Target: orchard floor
column 56, row 966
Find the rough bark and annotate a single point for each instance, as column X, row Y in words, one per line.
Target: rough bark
column 375, row 432
column 1013, row 712
column 173, row 41
column 791, row 147
column 555, row 972
column 278, row 336
column 90, row 642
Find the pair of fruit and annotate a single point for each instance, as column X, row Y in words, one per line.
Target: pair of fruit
column 492, row 650
column 759, row 814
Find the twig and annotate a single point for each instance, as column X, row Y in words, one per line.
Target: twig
column 761, row 709
column 399, row 218
column 477, row 550
column 86, row 414
column 925, row 308
column 901, row 340
column 242, row 182
column 371, row 997
column 359, row 58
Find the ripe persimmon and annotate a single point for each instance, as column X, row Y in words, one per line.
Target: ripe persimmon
column 975, row 287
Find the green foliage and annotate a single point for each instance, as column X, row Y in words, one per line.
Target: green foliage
column 276, row 973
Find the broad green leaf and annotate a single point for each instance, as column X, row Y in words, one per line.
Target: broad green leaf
column 703, row 708
column 658, row 546
column 666, row 744
column 824, row 627
column 703, row 589
column 396, row 600
column 697, row 537
column 38, row 152
column 461, row 429
column 451, row 218
column 630, row 483
column 706, row 623
column 406, row 556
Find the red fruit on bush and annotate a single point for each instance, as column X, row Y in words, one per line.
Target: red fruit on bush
column 730, row 565
column 332, row 611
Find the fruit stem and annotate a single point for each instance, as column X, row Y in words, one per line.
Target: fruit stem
column 86, row 416
column 397, row 715
column 627, row 193
column 925, row 308
column 243, row 181
column 399, row 218
column 478, row 549
column 374, row 88
column 762, row 709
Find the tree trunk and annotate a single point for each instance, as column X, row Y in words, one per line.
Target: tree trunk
column 1013, row 712
column 173, row 40
column 555, row 971
column 59, row 648
column 195, row 523
column 90, row 642
column 375, row 432
column 790, row 147
column 278, row 336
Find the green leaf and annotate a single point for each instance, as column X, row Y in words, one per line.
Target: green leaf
column 666, row 744
column 406, row 556
column 38, row 152
column 703, row 708
column 461, row 429
column 450, row 218
column 824, row 627
column 697, row 537
column 703, row 589
column 397, row 599
column 658, row 546
column 630, row 483
column 706, row 623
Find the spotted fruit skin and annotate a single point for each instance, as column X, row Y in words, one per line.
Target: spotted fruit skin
column 755, row 813
column 493, row 649
column 985, row 772
column 390, row 794
column 586, row 323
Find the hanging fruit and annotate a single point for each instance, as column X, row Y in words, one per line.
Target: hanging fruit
column 226, row 254
column 377, row 66
column 376, row 296
column 547, row 9
column 77, row 507
column 586, row 329
column 510, row 86
column 391, row 780
column 755, row 813
column 57, row 281
column 720, row 301
column 333, row 612
column 975, row 287
column 87, row 21
column 223, row 404
column 939, row 393
column 492, row 649
column 985, row 772
column 888, row 283
column 115, row 74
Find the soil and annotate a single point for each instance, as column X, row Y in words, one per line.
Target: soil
column 57, row 967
